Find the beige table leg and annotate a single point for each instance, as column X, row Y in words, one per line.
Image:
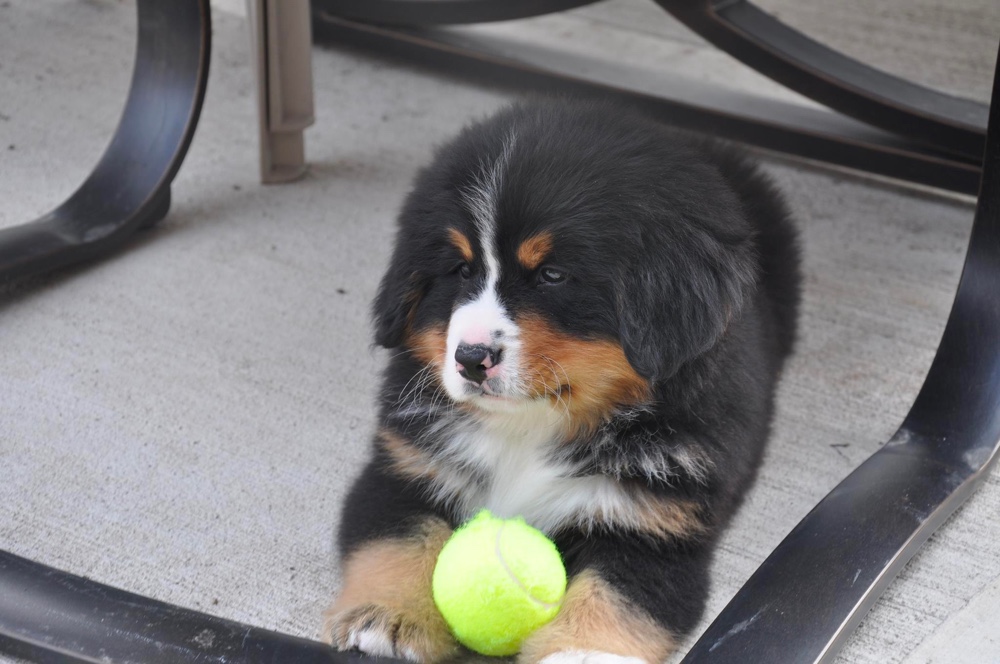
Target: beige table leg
column 281, row 41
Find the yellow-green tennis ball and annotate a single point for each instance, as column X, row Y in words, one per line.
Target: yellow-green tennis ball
column 496, row 581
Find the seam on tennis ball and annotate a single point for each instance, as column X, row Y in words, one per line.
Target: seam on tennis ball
column 514, row 577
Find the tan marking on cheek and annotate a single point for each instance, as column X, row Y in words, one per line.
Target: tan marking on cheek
column 533, row 251
column 387, row 584
column 407, row 460
column 596, row 617
column 592, row 377
column 429, row 345
column 461, row 242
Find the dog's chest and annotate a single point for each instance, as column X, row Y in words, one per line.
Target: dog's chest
column 518, row 475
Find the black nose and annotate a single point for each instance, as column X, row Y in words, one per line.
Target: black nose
column 475, row 360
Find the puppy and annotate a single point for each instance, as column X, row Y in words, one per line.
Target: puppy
column 587, row 313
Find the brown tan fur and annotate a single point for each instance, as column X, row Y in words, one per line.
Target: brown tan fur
column 591, row 377
column 534, row 250
column 461, row 242
column 595, row 617
column 387, row 585
column 429, row 346
column 410, row 302
column 666, row 518
column 407, row 460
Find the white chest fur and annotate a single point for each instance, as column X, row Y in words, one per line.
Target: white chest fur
column 513, row 453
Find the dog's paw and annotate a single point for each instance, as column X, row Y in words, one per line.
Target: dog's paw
column 386, row 632
column 589, row 657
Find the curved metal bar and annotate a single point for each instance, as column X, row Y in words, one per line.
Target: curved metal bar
column 45, row 611
column 790, row 128
column 760, row 41
column 442, row 12
column 130, row 186
column 813, row 590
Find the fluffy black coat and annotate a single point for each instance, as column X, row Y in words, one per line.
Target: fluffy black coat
column 678, row 252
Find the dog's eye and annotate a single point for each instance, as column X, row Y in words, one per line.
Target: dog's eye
column 551, row 275
column 464, row 270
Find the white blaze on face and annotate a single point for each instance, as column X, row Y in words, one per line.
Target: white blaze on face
column 484, row 320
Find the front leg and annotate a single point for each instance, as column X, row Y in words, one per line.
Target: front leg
column 390, row 540
column 385, row 606
column 629, row 599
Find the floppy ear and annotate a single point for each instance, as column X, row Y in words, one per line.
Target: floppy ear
column 398, row 295
column 676, row 304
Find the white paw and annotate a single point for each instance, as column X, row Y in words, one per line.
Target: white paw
column 589, row 657
column 380, row 632
column 374, row 641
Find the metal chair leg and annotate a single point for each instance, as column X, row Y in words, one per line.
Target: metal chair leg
column 44, row 611
column 774, row 125
column 441, row 12
column 759, row 40
column 813, row 590
column 130, row 186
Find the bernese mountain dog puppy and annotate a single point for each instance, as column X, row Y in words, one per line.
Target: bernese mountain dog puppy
column 587, row 313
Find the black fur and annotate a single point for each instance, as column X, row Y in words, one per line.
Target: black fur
column 679, row 250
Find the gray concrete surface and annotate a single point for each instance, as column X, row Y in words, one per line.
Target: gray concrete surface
column 181, row 419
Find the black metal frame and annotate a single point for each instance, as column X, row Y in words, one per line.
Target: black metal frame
column 757, row 39
column 887, row 125
column 795, row 130
column 449, row 12
column 881, row 512
column 130, row 186
column 817, row 585
column 45, row 611
column 853, row 88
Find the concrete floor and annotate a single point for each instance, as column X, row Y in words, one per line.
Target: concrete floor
column 181, row 419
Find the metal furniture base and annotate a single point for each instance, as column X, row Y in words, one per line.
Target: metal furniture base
column 884, row 125
column 130, row 187
column 859, row 536
column 47, row 615
column 813, row 590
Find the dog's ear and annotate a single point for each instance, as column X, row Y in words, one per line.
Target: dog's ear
column 428, row 211
column 390, row 309
column 398, row 295
column 676, row 303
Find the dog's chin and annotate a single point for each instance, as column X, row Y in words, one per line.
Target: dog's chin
column 489, row 400
column 490, row 397
column 497, row 404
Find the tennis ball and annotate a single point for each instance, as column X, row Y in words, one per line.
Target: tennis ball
column 496, row 581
